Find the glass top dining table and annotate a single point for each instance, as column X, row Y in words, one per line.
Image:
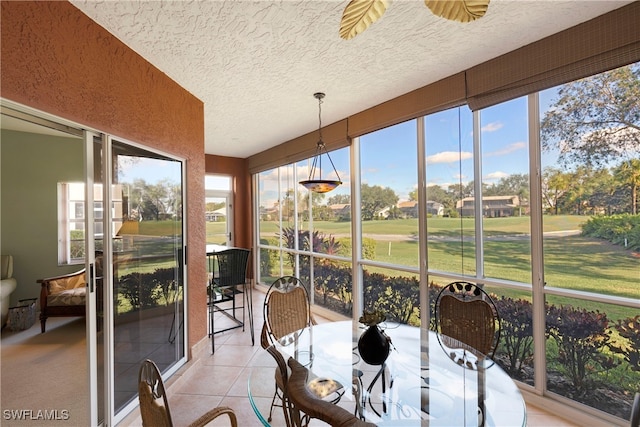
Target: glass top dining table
column 423, row 382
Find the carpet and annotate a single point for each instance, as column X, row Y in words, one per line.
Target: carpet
column 43, row 377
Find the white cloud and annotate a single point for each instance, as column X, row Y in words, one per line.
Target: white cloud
column 449, row 157
column 495, row 176
column 516, row 146
column 492, row 127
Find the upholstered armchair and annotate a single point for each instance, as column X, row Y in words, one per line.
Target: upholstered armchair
column 7, row 284
column 62, row 296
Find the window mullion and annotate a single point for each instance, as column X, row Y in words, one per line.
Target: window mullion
column 537, row 267
column 477, row 196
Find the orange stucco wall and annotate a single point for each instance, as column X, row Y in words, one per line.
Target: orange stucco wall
column 56, row 59
column 238, row 170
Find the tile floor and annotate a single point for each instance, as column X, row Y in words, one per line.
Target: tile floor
column 210, row 380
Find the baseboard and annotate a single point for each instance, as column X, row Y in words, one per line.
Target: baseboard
column 584, row 416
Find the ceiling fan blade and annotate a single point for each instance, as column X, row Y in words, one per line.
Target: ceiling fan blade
column 458, row 10
column 359, row 14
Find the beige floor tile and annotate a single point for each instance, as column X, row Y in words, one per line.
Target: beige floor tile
column 209, row 380
column 221, row 379
column 232, row 355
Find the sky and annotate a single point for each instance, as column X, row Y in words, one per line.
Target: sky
column 389, row 156
column 150, row 170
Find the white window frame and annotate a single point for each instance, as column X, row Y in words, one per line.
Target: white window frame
column 69, row 194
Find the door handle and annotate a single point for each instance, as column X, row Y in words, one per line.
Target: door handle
column 91, row 278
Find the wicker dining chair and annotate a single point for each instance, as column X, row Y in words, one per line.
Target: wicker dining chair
column 281, row 377
column 468, row 327
column 635, row 411
column 466, row 313
column 303, row 401
column 287, row 309
column 154, row 405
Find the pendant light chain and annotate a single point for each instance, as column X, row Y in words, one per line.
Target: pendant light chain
column 320, row 185
column 320, row 95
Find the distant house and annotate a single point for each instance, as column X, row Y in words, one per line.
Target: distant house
column 408, row 208
column 382, row 213
column 435, row 208
column 492, row 206
column 341, row 210
column 217, row 215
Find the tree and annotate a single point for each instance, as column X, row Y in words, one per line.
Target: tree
column 288, row 207
column 151, row 201
column 575, row 200
column 628, row 174
column 339, row 199
column 214, row 206
column 517, row 183
column 596, row 119
column 374, row 199
column 435, row 193
column 460, row 191
column 555, row 184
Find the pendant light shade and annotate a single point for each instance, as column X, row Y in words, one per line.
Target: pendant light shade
column 320, row 185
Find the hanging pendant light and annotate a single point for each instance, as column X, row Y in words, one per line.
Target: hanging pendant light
column 320, row 185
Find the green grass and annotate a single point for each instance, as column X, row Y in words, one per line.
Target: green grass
column 159, row 228
column 438, row 226
column 571, row 262
column 216, row 232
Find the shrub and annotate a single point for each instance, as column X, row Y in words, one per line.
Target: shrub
column 139, row 289
column 315, row 242
column 623, row 229
column 397, row 297
column 165, row 283
column 516, row 334
column 333, row 281
column 268, row 258
column 629, row 328
column 580, row 336
column 434, row 290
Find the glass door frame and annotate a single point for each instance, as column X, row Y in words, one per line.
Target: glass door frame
column 109, row 295
column 101, row 410
column 92, row 288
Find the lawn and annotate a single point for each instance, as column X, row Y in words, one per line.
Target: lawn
column 435, row 225
column 571, row 262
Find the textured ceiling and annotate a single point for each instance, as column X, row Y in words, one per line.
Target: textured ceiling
column 256, row 64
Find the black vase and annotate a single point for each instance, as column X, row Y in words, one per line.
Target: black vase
column 374, row 346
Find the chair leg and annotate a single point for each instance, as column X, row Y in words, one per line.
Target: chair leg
column 273, row 403
column 357, row 388
column 289, row 417
column 43, row 322
column 249, row 304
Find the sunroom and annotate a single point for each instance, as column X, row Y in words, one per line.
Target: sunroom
column 560, row 256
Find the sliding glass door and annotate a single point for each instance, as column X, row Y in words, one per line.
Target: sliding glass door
column 95, row 227
column 120, row 215
column 147, row 295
